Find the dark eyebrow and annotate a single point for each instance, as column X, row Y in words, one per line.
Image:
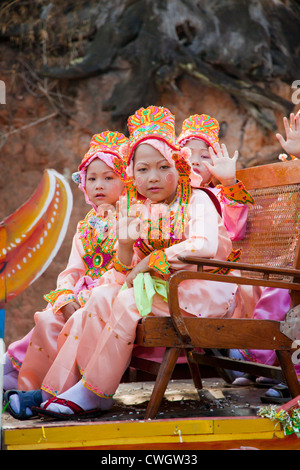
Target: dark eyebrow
column 142, row 163
column 93, row 173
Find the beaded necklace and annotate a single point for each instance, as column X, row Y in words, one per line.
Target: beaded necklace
column 98, row 240
column 167, row 230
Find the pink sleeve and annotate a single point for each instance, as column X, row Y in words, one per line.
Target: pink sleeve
column 234, row 202
column 201, row 234
column 67, row 279
column 235, row 219
column 75, row 268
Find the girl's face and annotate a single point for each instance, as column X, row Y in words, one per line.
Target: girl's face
column 102, row 185
column 153, row 175
column 199, row 154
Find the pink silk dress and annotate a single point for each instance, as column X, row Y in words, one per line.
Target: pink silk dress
column 97, row 342
column 234, row 215
column 91, row 256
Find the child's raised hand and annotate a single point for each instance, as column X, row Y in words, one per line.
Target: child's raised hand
column 128, row 224
column 68, row 310
column 224, row 167
column 292, row 132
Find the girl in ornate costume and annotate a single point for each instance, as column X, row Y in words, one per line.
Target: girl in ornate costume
column 173, row 220
column 100, row 176
column 208, row 159
column 200, row 133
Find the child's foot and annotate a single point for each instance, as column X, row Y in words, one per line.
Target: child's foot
column 19, row 403
column 244, row 380
column 278, row 394
column 80, row 396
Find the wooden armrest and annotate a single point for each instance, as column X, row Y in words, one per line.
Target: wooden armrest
column 183, row 275
column 241, row 266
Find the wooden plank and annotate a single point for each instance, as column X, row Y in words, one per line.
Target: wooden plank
column 232, row 364
column 136, row 434
column 280, row 173
column 49, row 436
column 241, row 266
column 213, row 333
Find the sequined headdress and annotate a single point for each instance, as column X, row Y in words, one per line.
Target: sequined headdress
column 156, row 126
column 154, row 122
column 199, row 126
column 105, row 146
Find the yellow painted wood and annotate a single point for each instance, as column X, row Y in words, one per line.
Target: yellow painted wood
column 142, row 441
column 141, row 433
column 116, row 430
column 242, row 425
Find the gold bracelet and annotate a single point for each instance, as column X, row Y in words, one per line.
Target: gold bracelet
column 120, row 267
column 158, row 261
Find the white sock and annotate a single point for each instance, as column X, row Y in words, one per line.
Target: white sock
column 83, row 397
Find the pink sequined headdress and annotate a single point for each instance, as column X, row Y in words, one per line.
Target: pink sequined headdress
column 155, row 126
column 105, row 146
column 199, row 126
column 154, row 122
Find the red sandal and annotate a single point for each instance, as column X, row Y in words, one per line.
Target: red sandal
column 78, row 412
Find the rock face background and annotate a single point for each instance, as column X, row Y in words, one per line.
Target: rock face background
column 74, row 70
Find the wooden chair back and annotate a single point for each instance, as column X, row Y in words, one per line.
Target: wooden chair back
column 272, row 237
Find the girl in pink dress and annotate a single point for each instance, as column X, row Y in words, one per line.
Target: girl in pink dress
column 173, row 220
column 100, row 176
column 200, row 133
column 208, row 159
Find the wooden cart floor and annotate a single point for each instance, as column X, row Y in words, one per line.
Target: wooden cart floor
column 224, row 418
